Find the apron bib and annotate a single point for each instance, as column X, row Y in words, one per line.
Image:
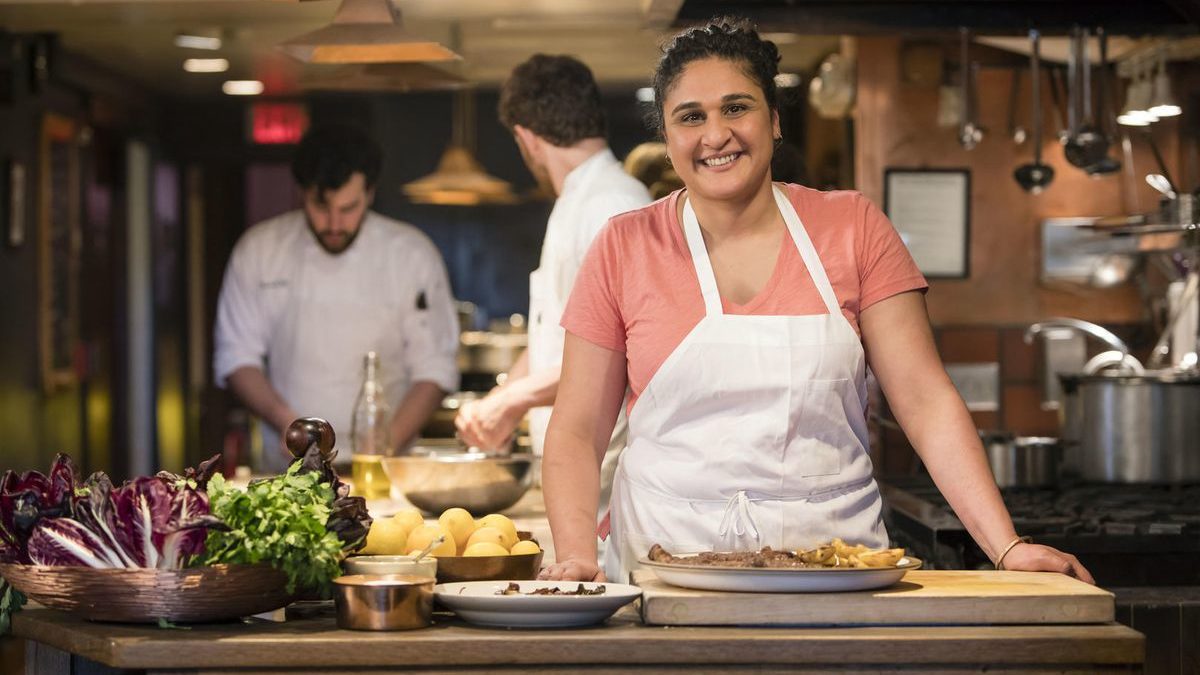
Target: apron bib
column 752, row 433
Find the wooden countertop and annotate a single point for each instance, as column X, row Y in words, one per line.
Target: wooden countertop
column 316, row 643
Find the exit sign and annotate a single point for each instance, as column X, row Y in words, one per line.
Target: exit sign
column 278, row 123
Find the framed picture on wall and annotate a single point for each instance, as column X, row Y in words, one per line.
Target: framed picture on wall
column 58, row 240
column 931, row 209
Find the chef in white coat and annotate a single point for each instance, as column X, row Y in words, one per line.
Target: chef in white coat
column 308, row 293
column 741, row 315
column 552, row 106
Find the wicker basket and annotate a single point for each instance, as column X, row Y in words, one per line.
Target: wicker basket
column 215, row 593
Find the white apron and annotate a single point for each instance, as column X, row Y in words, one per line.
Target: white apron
column 752, row 433
column 327, row 325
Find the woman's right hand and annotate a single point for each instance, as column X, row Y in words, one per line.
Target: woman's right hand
column 572, row 570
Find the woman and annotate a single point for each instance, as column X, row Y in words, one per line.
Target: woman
column 742, row 315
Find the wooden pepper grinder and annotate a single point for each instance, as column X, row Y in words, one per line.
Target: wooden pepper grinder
column 304, row 432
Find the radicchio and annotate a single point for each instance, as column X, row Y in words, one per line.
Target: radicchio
column 26, row 499
column 349, row 518
column 150, row 522
column 66, row 542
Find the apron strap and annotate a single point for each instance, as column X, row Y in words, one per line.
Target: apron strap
column 808, row 252
column 738, row 517
column 804, row 245
column 704, row 270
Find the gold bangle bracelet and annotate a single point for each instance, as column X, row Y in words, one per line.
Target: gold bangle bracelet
column 1011, row 545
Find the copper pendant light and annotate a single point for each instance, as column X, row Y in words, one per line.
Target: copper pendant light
column 365, row 31
column 459, row 179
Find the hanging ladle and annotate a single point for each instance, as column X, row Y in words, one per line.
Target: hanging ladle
column 1086, row 145
column 1104, row 117
column 1015, row 131
column 969, row 133
column 1034, row 178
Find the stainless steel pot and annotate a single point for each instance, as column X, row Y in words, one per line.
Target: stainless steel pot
column 1022, row 461
column 1123, row 428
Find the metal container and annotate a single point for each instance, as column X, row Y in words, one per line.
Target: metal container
column 1134, row 428
column 391, row 564
column 1022, row 461
column 489, row 567
column 383, row 601
column 435, row 479
column 488, row 352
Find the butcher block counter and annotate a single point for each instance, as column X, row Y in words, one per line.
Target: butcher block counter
column 59, row 643
column 1004, row 625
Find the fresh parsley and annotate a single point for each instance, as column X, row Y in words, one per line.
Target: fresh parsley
column 280, row 521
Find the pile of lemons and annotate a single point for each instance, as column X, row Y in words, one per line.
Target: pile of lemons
column 406, row 534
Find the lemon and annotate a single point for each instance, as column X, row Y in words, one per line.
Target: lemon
column 524, row 547
column 386, row 537
column 459, row 523
column 410, row 519
column 489, row 535
column 502, row 523
column 419, row 538
column 484, row 548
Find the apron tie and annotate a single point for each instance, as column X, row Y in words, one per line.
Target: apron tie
column 737, row 515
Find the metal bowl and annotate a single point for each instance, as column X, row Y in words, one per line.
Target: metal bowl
column 391, row 564
column 434, row 480
column 383, row 601
column 490, row 567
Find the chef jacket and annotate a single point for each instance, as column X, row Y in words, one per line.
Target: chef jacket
column 307, row 317
column 592, row 192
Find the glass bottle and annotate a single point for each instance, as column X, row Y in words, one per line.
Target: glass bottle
column 370, row 434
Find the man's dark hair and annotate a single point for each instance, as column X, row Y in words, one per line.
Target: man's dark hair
column 556, row 98
column 730, row 38
column 329, row 154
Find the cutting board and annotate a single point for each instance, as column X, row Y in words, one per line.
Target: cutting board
column 922, row 597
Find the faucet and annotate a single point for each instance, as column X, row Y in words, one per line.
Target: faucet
column 1086, row 327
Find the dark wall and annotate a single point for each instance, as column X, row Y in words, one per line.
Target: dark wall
column 81, row 417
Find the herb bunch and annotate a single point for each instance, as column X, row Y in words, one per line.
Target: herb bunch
column 280, row 521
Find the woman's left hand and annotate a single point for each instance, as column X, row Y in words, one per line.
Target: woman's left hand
column 1038, row 558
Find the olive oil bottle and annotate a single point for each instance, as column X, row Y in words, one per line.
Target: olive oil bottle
column 369, row 434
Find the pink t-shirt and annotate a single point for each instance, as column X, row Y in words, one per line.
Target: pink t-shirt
column 637, row 289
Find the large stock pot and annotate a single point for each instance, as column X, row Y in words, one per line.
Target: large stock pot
column 1133, row 428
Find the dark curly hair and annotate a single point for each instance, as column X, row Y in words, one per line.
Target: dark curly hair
column 731, row 38
column 556, row 98
column 329, row 154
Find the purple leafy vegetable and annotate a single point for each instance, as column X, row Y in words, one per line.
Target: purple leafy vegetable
column 26, row 499
column 349, row 519
column 66, row 542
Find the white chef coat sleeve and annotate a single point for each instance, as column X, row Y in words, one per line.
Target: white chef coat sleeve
column 431, row 327
column 240, row 336
column 597, row 211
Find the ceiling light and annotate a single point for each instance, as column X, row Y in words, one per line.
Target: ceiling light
column 1136, row 112
column 645, row 94
column 1162, row 102
column 365, row 31
column 398, row 77
column 206, row 65
column 242, row 87
column 786, row 80
column 459, row 179
column 188, row 41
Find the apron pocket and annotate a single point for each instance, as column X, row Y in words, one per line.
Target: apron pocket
column 823, row 436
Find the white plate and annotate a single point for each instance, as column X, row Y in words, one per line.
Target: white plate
column 477, row 602
column 781, row 580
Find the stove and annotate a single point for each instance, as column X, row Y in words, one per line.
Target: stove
column 1126, row 535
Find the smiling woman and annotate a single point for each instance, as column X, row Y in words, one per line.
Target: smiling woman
column 742, row 316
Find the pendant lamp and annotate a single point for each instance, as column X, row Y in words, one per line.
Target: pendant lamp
column 459, row 179
column 365, row 31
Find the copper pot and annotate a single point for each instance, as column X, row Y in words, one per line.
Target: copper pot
column 383, row 601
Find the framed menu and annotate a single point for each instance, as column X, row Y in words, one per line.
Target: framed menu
column 58, row 251
column 931, row 209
